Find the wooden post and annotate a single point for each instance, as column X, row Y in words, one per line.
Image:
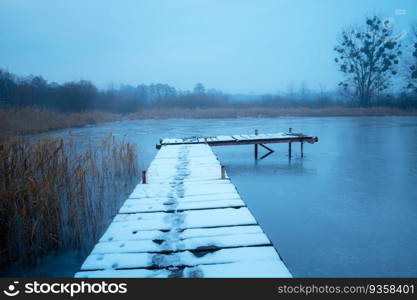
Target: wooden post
column 256, row 145
column 302, row 149
column 223, row 172
column 289, row 144
column 144, row 177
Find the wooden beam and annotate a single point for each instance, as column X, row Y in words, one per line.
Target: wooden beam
column 270, row 151
column 302, row 149
column 267, row 148
column 144, row 177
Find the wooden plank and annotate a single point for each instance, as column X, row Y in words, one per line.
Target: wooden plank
column 185, row 171
column 171, row 198
column 195, row 243
column 184, row 258
column 246, row 136
column 154, row 190
column 179, row 206
column 183, row 220
column 114, row 234
column 172, row 141
column 222, row 138
column 271, row 268
column 187, row 219
column 238, row 137
column 188, row 178
column 134, row 273
column 212, row 139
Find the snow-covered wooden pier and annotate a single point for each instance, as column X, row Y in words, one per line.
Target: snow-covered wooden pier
column 246, row 139
column 185, row 219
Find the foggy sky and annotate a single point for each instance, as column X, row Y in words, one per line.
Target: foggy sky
column 237, row 46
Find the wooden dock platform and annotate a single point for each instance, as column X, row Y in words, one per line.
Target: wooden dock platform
column 185, row 221
column 247, row 139
column 242, row 139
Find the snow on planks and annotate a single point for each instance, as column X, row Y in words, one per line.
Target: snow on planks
column 241, row 139
column 185, row 222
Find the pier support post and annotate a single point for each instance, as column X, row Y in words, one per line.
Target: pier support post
column 302, row 149
column 223, row 172
column 256, row 145
column 144, row 177
column 289, row 144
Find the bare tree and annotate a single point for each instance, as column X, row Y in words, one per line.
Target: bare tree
column 199, row 89
column 290, row 90
column 304, row 90
column 368, row 57
column 411, row 70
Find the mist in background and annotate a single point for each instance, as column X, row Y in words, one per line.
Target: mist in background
column 235, row 46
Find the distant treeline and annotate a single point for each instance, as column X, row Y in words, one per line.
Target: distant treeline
column 83, row 95
column 79, row 96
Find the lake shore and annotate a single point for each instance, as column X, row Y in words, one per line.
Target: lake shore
column 267, row 112
column 28, row 120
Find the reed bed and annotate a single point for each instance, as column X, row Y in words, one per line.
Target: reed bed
column 55, row 196
column 30, row 120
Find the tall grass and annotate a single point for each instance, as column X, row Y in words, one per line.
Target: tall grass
column 55, row 196
column 28, row 120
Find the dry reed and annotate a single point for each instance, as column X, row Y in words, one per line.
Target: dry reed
column 54, row 196
column 29, row 120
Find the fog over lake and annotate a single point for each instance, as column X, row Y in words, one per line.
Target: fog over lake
column 348, row 208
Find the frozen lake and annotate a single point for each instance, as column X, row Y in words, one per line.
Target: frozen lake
column 348, row 208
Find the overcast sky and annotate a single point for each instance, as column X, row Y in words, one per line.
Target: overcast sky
column 238, row 46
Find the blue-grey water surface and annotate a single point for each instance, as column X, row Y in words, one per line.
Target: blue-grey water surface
column 348, row 208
